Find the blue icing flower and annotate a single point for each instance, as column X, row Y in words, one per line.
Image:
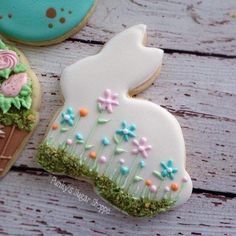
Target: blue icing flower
column 68, row 117
column 79, row 136
column 168, row 170
column 105, row 141
column 142, row 164
column 126, row 131
column 124, row 170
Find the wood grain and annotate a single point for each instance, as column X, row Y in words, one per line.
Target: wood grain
column 31, row 205
column 189, row 25
column 199, row 91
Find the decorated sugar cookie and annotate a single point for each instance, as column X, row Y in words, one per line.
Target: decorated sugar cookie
column 131, row 149
column 19, row 104
column 43, row 22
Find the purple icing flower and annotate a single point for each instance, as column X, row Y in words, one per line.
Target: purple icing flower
column 141, row 147
column 109, row 100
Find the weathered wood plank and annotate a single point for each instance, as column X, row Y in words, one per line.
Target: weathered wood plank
column 191, row 25
column 200, row 91
column 31, row 205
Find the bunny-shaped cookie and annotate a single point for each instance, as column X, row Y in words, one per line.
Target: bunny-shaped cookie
column 131, row 149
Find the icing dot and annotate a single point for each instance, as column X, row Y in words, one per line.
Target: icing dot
column 83, row 112
column 93, row 155
column 62, row 20
column 174, row 187
column 1, row 17
column 55, row 126
column 62, row 9
column 153, row 188
column 51, row 13
column 167, row 189
column 69, row 142
column 102, row 159
column 70, row 12
column 66, row 117
column 50, row 25
column 10, row 15
column 185, row 180
column 148, row 182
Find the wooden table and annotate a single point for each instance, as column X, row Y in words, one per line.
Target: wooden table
column 197, row 85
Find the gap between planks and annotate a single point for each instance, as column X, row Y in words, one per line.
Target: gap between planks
column 32, row 170
column 166, row 50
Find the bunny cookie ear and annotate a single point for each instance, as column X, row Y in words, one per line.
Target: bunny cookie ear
column 135, row 62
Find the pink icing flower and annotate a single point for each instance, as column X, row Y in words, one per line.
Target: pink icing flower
column 8, row 59
column 141, row 147
column 109, row 100
column 13, row 86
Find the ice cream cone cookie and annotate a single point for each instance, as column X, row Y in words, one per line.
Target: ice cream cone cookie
column 19, row 104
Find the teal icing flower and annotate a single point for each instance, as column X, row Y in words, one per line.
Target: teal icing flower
column 124, row 170
column 68, row 117
column 168, row 170
column 105, row 141
column 126, row 131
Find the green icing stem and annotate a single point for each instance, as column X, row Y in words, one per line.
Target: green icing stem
column 58, row 161
column 130, row 177
column 109, row 163
column 90, row 135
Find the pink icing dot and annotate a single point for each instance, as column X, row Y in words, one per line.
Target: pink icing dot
column 102, row 159
column 185, row 180
column 167, row 189
column 153, row 188
column 69, row 141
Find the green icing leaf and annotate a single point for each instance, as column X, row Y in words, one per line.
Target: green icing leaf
column 80, row 141
column 2, row 45
column 5, row 105
column 88, row 147
column 5, row 73
column 158, row 175
column 138, row 178
column 20, row 68
column 64, row 129
column 119, row 151
column 102, row 121
column 27, row 102
column 116, row 140
column 16, row 102
column 99, row 107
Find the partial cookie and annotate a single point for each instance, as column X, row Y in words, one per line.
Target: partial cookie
column 19, row 104
column 131, row 149
column 43, row 22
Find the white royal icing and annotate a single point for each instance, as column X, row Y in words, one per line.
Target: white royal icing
column 105, row 79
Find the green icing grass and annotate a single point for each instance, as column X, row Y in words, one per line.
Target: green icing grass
column 23, row 119
column 58, row 161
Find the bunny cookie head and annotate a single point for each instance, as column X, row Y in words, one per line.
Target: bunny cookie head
column 133, row 150
column 123, row 64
